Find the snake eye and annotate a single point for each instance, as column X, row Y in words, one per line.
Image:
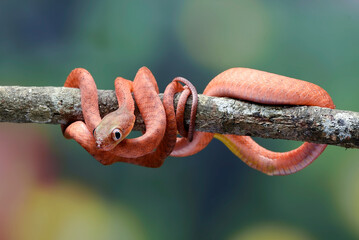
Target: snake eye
column 116, row 134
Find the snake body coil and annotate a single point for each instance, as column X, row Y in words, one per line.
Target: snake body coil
column 105, row 138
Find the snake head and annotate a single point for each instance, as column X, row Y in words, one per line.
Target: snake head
column 113, row 128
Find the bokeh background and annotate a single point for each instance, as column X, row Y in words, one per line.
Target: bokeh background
column 50, row 188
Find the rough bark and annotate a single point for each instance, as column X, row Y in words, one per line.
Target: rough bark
column 59, row 105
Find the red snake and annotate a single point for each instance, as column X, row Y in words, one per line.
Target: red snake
column 105, row 138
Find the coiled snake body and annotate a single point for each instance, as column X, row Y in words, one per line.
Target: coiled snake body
column 105, row 138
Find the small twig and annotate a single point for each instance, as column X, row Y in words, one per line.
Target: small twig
column 58, row 105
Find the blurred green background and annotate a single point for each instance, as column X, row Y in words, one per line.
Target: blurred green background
column 53, row 189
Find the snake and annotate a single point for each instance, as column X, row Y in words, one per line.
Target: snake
column 105, row 138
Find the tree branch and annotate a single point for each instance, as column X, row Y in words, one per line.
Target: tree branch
column 58, row 105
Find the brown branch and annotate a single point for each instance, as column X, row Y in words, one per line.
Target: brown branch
column 58, row 105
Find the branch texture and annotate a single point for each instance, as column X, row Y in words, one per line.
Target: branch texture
column 59, row 105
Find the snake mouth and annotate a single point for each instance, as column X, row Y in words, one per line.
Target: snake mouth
column 104, row 145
